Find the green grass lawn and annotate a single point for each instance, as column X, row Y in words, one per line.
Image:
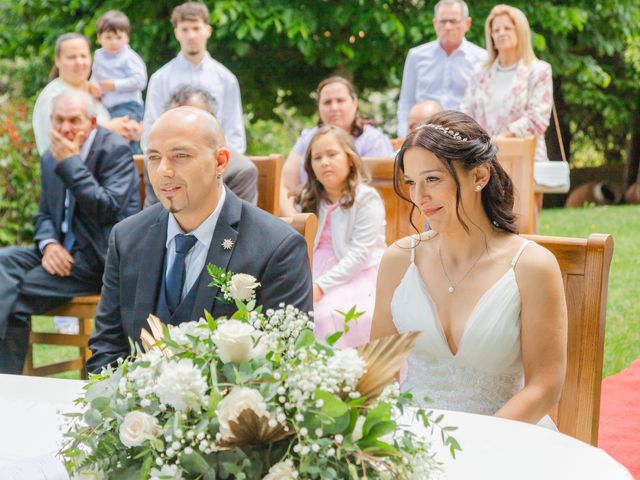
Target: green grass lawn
column 622, row 340
column 622, row 336
column 44, row 354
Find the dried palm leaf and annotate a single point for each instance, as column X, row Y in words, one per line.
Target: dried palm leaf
column 249, row 429
column 150, row 340
column 383, row 359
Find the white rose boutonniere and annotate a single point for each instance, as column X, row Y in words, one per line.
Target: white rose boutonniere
column 238, row 400
column 234, row 287
column 243, row 287
column 137, row 427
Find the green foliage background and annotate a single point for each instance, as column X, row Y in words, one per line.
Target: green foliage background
column 290, row 45
column 280, row 49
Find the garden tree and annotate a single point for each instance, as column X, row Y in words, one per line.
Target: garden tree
column 287, row 46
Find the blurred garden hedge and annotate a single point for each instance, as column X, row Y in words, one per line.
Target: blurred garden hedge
column 20, row 179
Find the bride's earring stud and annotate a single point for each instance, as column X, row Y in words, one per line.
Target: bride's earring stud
column 478, row 187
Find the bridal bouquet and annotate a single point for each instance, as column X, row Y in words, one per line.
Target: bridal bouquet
column 254, row 396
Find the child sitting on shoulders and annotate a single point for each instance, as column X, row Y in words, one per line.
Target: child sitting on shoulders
column 351, row 234
column 118, row 75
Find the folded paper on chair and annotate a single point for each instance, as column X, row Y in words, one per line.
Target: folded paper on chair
column 551, row 177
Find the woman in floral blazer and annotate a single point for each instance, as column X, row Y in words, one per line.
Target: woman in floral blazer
column 512, row 94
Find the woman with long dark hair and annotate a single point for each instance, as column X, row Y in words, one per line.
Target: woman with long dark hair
column 490, row 303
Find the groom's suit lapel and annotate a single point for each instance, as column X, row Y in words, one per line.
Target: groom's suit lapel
column 152, row 250
column 226, row 229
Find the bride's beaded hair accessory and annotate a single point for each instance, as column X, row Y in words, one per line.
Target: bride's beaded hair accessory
column 445, row 130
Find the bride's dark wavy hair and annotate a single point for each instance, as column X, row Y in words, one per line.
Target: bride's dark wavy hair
column 479, row 149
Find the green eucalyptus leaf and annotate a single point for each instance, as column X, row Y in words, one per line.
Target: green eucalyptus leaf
column 332, row 405
column 305, row 339
column 194, row 463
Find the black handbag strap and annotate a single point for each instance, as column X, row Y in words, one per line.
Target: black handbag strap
column 558, row 132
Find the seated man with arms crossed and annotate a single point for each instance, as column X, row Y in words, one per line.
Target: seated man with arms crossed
column 157, row 259
column 89, row 183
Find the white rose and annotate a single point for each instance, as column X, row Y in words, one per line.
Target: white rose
column 238, row 400
column 242, row 286
column 137, row 427
column 234, row 340
column 281, row 471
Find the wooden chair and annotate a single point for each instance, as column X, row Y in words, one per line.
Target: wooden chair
column 516, row 156
column 397, row 210
column 585, row 270
column 84, row 308
column 269, row 171
column 139, row 161
column 396, row 143
column 307, row 225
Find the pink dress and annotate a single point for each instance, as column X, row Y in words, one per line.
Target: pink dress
column 359, row 290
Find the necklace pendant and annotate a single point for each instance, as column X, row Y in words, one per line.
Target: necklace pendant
column 451, row 289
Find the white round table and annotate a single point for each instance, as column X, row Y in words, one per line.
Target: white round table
column 493, row 448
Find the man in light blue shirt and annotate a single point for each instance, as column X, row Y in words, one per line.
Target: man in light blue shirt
column 195, row 67
column 440, row 70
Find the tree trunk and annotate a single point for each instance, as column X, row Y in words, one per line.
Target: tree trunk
column 633, row 147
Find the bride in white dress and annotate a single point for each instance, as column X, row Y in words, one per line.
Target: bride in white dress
column 490, row 304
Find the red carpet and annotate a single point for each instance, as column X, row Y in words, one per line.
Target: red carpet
column 619, row 433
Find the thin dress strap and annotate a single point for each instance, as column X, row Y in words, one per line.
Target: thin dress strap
column 516, row 257
column 413, row 249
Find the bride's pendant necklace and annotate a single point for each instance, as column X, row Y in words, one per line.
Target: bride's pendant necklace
column 452, row 285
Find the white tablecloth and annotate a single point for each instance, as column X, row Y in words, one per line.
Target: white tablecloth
column 493, row 448
column 29, row 419
column 496, row 449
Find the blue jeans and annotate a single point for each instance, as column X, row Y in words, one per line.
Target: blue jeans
column 133, row 110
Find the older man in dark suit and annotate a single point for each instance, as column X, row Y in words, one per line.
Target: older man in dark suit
column 198, row 221
column 89, row 183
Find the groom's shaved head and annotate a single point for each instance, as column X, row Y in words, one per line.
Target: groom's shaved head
column 195, row 121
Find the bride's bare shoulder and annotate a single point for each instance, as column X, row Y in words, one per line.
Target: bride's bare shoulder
column 400, row 250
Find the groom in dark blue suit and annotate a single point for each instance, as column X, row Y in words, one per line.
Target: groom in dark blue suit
column 157, row 259
column 89, row 183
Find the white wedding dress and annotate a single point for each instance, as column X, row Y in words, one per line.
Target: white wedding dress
column 486, row 371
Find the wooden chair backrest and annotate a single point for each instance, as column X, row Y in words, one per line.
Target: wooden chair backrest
column 397, row 210
column 585, row 270
column 85, row 309
column 306, row 225
column 516, row 156
column 139, row 161
column 396, row 143
column 269, row 171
